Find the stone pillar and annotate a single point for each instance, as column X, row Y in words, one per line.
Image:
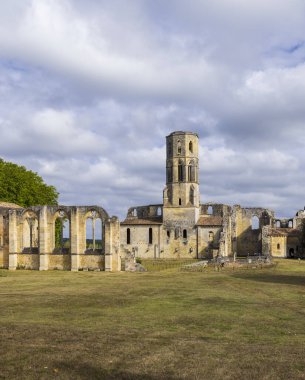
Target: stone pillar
column 112, row 245
column 13, row 240
column 76, row 233
column 44, row 239
column 266, row 241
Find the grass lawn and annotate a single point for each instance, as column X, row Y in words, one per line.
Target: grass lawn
column 241, row 324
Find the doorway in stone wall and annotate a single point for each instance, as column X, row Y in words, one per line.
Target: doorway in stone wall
column 291, row 252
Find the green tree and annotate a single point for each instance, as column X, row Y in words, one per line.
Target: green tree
column 24, row 187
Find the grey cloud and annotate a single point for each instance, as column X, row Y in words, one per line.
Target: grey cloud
column 89, row 90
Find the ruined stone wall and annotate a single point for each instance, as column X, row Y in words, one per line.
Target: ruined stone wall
column 139, row 241
column 208, row 248
column 92, row 262
column 60, row 262
column 30, row 261
column 247, row 239
column 293, row 246
column 24, row 252
column 278, row 246
column 175, row 245
column 4, row 241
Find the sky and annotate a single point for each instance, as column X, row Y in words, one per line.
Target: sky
column 90, row 88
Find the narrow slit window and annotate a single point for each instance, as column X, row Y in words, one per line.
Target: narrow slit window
column 184, row 234
column 128, row 235
column 180, row 172
column 150, row 236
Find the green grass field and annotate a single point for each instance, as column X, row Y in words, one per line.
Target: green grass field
column 241, row 324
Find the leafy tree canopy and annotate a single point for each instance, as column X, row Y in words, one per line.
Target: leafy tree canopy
column 24, row 187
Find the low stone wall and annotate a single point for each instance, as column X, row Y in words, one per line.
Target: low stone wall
column 61, row 262
column 92, row 262
column 28, row 261
column 4, row 258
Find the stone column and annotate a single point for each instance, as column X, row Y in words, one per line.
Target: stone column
column 76, row 236
column 112, row 245
column 44, row 239
column 13, row 240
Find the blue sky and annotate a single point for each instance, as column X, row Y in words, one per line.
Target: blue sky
column 90, row 89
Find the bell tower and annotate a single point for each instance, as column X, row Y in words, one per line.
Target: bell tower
column 181, row 196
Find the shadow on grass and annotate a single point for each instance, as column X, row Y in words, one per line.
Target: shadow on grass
column 77, row 370
column 273, row 278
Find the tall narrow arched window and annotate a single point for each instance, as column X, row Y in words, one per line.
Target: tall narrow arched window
column 179, row 147
column 192, row 195
column 191, row 147
column 169, row 173
column 150, row 236
column 128, row 235
column 210, row 210
column 61, row 233
column 180, row 172
column 184, row 234
column 255, row 223
column 191, row 172
column 278, row 246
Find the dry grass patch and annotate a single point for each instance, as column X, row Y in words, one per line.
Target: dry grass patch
column 160, row 325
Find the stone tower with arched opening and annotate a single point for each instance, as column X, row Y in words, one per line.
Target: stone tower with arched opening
column 181, row 196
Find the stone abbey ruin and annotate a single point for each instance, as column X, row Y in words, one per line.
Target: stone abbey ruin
column 181, row 227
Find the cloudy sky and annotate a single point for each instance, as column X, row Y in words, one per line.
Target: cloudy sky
column 90, row 88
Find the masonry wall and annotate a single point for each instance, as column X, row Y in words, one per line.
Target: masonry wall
column 139, row 241
column 45, row 256
column 248, row 240
column 278, row 246
column 208, row 248
column 176, row 246
column 28, row 261
column 60, row 262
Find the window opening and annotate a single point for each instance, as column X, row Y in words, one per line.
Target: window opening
column 180, row 172
column 128, row 235
column 255, row 223
column 169, row 174
column 150, row 236
column 211, row 236
column 184, row 234
column 191, row 172
column 191, row 147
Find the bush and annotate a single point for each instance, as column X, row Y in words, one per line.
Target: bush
column 138, row 260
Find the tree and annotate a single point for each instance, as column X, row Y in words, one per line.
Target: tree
column 24, row 187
